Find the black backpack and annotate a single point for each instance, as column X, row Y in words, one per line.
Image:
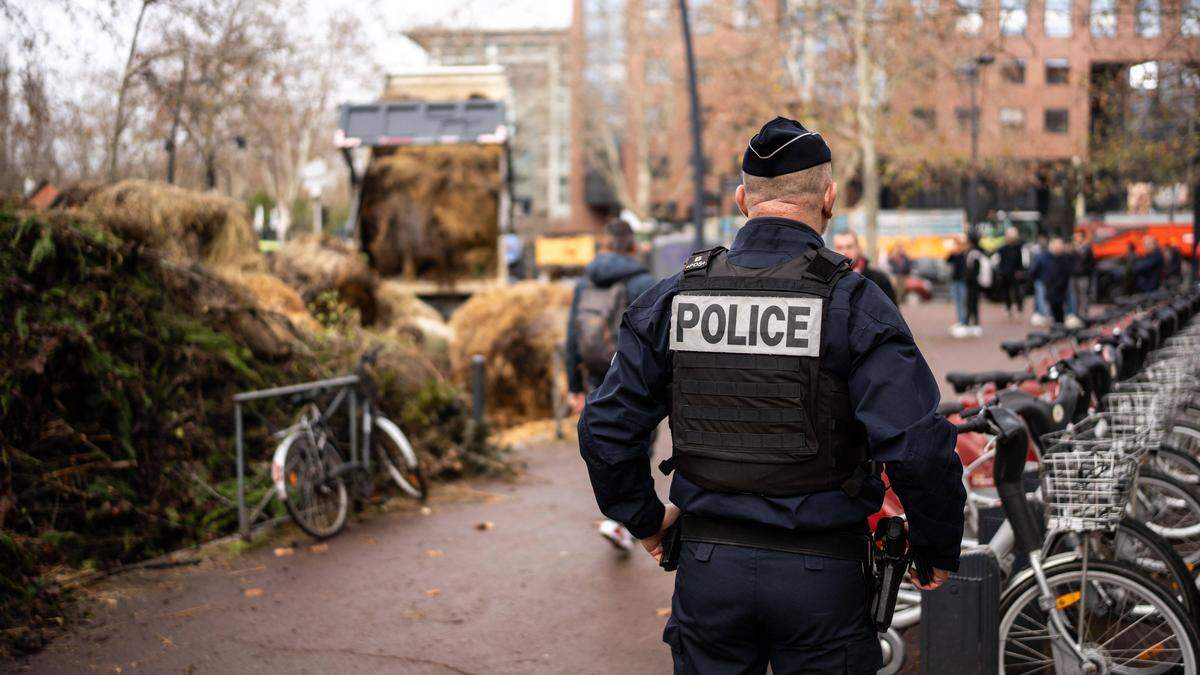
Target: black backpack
column 597, row 319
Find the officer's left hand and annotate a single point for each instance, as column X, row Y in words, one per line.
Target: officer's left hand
column 653, row 543
column 939, row 577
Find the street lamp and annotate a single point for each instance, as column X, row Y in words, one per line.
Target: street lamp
column 971, row 71
column 697, row 145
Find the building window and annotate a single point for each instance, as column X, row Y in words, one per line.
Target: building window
column 1013, row 17
column 970, row 16
column 1056, row 121
column 746, row 14
column 1058, row 71
column 658, row 14
column 700, row 14
column 925, row 118
column 1189, row 23
column 924, row 9
column 1149, row 23
column 1013, row 71
column 1103, row 18
column 963, row 115
column 1058, row 18
column 1012, row 118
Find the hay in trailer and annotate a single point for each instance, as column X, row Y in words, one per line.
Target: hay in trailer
column 184, row 224
column 516, row 329
column 431, row 212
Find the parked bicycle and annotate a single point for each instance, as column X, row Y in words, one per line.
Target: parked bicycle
column 314, row 474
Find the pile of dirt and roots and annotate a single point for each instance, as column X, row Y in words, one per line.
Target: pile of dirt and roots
column 432, row 212
column 330, row 274
column 517, row 331
column 126, row 334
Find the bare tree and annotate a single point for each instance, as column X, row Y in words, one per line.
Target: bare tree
column 122, row 91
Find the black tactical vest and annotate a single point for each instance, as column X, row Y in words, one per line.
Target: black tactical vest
column 752, row 410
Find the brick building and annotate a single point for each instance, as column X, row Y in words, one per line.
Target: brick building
column 535, row 62
column 1036, row 104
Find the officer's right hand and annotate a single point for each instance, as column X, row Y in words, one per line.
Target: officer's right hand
column 936, row 580
column 577, row 399
column 653, row 543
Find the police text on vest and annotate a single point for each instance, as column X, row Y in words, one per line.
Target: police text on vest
column 746, row 324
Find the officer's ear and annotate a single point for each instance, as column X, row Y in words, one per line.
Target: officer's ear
column 828, row 200
column 739, row 196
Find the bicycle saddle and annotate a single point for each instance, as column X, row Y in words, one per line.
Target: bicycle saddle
column 948, row 408
column 1002, row 378
column 1040, row 416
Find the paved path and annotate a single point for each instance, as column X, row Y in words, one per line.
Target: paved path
column 538, row 592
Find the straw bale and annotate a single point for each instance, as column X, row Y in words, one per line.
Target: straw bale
column 403, row 313
column 516, row 329
column 184, row 224
column 431, row 212
column 314, row 264
column 272, row 294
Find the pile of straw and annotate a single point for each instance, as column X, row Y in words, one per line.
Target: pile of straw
column 184, row 224
column 516, row 329
column 431, row 212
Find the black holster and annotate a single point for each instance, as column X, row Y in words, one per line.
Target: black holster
column 889, row 564
column 671, row 543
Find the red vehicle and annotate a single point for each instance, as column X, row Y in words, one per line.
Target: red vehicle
column 1111, row 240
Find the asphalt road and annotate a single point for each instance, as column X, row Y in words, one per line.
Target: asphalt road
column 536, row 591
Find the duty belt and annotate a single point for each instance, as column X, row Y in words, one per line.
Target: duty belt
column 841, row 545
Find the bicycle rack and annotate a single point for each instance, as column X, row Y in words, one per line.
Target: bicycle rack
column 246, row 520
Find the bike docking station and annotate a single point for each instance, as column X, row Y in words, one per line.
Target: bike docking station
column 960, row 630
column 345, row 388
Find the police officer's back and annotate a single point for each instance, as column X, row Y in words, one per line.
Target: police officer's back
column 788, row 379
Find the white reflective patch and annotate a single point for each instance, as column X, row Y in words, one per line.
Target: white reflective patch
column 746, row 325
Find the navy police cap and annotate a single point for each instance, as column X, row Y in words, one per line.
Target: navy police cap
column 784, row 146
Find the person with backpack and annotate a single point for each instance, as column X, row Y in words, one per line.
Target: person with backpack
column 610, row 282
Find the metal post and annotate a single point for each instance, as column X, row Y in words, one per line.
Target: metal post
column 556, row 393
column 243, row 525
column 697, row 144
column 973, row 181
column 477, row 398
column 354, row 454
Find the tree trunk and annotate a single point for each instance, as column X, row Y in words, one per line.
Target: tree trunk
column 114, row 142
column 176, row 114
column 865, row 114
column 285, row 219
column 210, row 170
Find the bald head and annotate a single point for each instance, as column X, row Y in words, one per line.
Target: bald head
column 807, row 195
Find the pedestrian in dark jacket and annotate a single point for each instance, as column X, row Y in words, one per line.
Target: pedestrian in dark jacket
column 1172, row 266
column 1011, row 272
column 957, row 260
column 1054, row 271
column 1148, row 270
column 614, row 265
column 1083, row 276
column 846, row 243
column 1128, row 262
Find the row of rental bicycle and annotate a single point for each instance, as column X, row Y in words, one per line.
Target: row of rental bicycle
column 1090, row 453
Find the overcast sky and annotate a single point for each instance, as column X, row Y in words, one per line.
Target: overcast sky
column 77, row 45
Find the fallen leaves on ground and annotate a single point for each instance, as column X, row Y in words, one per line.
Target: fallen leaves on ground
column 284, row 551
column 433, row 592
column 485, row 525
column 319, row 548
column 254, row 592
column 662, row 611
column 434, row 553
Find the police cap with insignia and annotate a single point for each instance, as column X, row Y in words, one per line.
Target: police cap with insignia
column 784, row 146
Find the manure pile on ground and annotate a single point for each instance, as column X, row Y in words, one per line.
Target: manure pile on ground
column 516, row 329
column 184, row 224
column 431, row 212
column 121, row 356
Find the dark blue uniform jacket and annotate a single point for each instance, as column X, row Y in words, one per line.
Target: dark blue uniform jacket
column 863, row 340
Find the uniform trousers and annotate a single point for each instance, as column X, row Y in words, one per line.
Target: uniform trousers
column 737, row 609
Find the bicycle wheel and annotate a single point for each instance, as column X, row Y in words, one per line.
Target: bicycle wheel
column 1123, row 621
column 398, row 458
column 1171, row 509
column 315, row 498
column 1177, row 464
column 1138, row 546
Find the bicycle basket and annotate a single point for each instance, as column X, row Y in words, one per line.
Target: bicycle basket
column 1088, row 489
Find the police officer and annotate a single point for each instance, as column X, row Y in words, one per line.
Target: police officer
column 789, row 380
